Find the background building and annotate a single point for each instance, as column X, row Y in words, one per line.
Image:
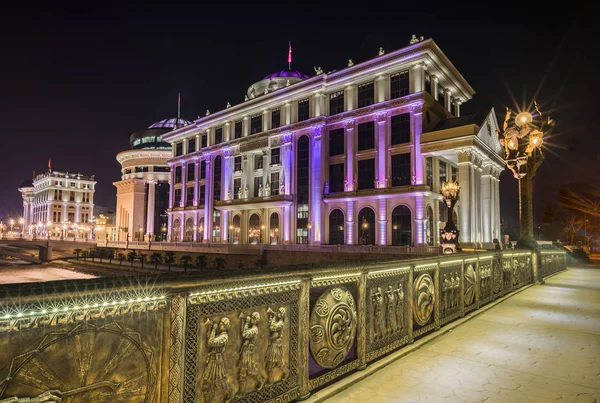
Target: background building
column 142, row 192
column 354, row 156
column 59, row 203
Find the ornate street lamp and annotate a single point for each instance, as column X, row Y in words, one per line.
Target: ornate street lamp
column 449, row 235
column 522, row 139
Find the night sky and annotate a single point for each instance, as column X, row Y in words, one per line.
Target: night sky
column 78, row 78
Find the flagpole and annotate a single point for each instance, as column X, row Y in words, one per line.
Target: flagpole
column 289, row 55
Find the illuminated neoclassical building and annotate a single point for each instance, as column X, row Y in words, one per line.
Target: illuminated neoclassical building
column 143, row 191
column 353, row 156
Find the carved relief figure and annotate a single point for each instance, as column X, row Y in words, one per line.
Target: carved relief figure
column 48, row 396
column 378, row 320
column 247, row 365
column 260, row 190
column 274, row 356
column 282, row 188
column 240, row 194
column 390, row 311
column 445, row 292
column 400, row 307
column 215, row 377
column 326, row 190
column 246, row 192
column 229, row 195
column 456, row 289
column 267, row 189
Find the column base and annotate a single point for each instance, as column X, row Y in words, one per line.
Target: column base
column 303, row 397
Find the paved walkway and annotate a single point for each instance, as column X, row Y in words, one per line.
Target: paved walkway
column 540, row 345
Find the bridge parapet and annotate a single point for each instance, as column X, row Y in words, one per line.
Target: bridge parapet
column 264, row 337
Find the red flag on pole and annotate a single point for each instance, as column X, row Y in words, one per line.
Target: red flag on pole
column 49, row 164
column 290, row 55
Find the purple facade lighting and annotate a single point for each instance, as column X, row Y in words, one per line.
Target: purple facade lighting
column 381, row 150
column 382, row 221
column 420, row 219
column 317, row 187
column 350, row 227
column 208, row 201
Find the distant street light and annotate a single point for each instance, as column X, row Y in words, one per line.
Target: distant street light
column 522, row 140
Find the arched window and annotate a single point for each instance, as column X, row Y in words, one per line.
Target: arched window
column 176, row 230
column 366, row 226
column 336, row 227
column 254, row 229
column 429, row 234
column 274, row 229
column 189, row 230
column 302, row 190
column 401, row 226
column 236, row 222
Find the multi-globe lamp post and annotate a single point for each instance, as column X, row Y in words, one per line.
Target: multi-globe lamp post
column 522, row 139
column 449, row 234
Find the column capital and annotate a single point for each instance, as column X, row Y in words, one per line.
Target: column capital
column 381, row 117
column 152, row 182
column 349, row 124
column 317, row 131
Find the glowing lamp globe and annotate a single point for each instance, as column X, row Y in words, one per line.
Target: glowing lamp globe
column 523, row 118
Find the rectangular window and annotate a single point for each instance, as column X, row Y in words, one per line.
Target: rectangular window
column 400, row 127
column 336, row 142
column 258, row 162
column 401, row 169
column 191, row 174
column 218, row 135
column 336, row 177
column 440, row 94
column 275, row 183
column 237, row 184
column 429, row 172
column 366, row 136
column 302, row 224
column 237, row 164
column 256, row 124
column 71, row 217
column 204, row 140
column 336, row 102
column 428, row 83
column 399, row 85
column 177, row 198
column 189, row 196
column 141, row 169
column 366, row 94
column 192, row 145
column 258, row 184
column 275, row 118
column 454, row 173
column 303, row 113
column 202, row 195
column 238, row 129
column 443, row 172
column 178, row 174
column 202, row 169
column 366, row 174
column 160, row 169
column 275, row 156
column 178, row 149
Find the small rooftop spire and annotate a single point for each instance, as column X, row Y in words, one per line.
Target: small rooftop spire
column 290, row 55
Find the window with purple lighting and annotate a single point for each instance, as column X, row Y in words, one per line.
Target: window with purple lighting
column 336, row 142
column 366, row 174
column 336, row 102
column 366, row 136
column 401, row 172
column 400, row 129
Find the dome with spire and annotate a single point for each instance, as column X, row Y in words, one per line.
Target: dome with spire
column 275, row 81
column 151, row 138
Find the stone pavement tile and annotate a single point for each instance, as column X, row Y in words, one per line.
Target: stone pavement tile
column 429, row 398
column 433, row 389
column 537, row 399
column 471, row 395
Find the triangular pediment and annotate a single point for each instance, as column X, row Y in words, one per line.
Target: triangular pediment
column 487, row 132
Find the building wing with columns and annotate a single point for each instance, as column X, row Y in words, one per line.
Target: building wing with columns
column 142, row 192
column 354, row 156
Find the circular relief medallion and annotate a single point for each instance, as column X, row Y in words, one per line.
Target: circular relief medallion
column 470, row 280
column 424, row 299
column 333, row 327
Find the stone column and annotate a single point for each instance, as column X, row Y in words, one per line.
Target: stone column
column 169, row 227
column 287, row 113
column 227, row 135
column 457, row 103
column 77, row 213
column 380, row 88
column 182, row 226
column 381, row 137
column 447, row 99
column 266, row 122
column 464, row 180
column 224, row 226
column 266, row 170
column 382, row 221
column 350, row 147
column 487, row 204
column 208, row 201
column 245, row 126
column 319, row 105
column 316, row 186
column 434, row 86
column 151, row 208
column 196, row 182
column 171, row 187
column 350, row 224
column 420, row 219
column 416, row 78
column 349, row 97
column 496, row 184
column 287, row 163
column 416, row 124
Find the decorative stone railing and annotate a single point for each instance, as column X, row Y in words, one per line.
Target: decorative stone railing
column 268, row 337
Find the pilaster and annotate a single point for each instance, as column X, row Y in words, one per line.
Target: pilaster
column 416, row 157
column 350, row 224
column 382, row 137
column 350, row 157
column 208, row 200
column 316, row 188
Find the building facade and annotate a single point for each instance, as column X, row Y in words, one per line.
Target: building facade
column 142, row 192
column 56, row 203
column 353, row 156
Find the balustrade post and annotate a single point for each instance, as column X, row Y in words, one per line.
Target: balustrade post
column 535, row 268
column 176, row 350
column 461, row 296
column 411, row 309
column 303, row 341
column 477, row 284
column 438, row 296
column 361, row 348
